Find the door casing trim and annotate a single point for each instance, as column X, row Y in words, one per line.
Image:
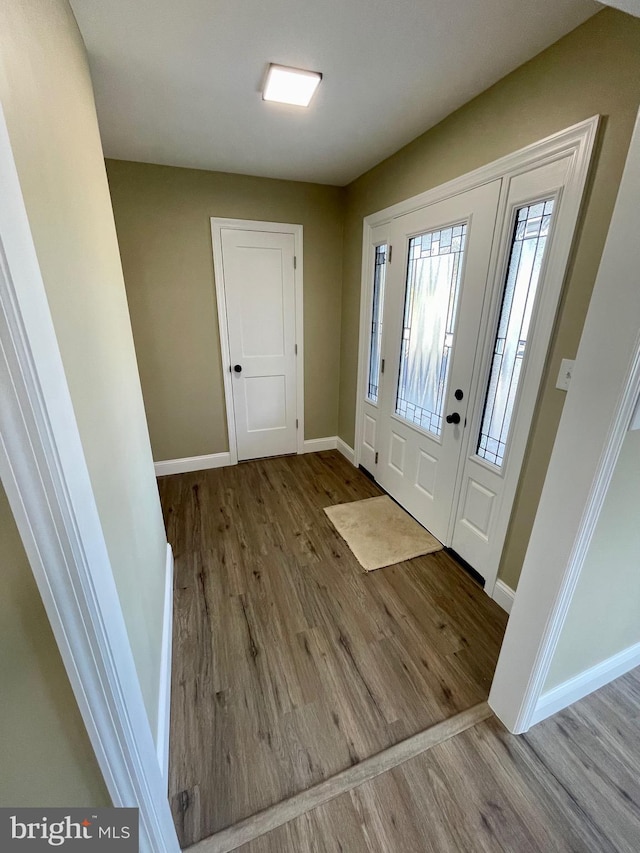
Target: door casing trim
column 217, row 224
column 585, row 454
column 577, row 140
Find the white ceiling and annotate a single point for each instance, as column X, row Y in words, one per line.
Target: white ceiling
column 632, row 7
column 178, row 81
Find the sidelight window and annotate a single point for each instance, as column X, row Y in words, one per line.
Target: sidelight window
column 530, row 233
column 376, row 323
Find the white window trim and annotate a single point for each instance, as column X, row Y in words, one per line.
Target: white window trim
column 217, row 224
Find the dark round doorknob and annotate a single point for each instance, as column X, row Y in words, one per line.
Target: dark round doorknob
column 453, row 418
column 458, row 394
column 237, row 368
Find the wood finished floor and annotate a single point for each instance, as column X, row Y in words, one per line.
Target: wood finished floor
column 570, row 785
column 291, row 664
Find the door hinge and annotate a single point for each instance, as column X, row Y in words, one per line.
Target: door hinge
column 376, row 457
column 296, row 349
column 390, row 254
column 295, row 263
column 296, row 423
column 382, row 366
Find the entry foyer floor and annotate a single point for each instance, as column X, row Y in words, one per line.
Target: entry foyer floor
column 290, row 663
column 570, row 785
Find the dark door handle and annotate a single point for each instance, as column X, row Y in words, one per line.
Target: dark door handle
column 453, row 418
column 237, row 368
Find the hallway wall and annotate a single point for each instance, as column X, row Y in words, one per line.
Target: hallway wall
column 609, row 582
column 163, row 220
column 47, row 99
column 46, row 756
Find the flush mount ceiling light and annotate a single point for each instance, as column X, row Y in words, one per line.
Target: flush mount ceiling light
column 290, row 85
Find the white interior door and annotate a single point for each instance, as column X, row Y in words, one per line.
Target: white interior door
column 259, row 286
column 434, row 292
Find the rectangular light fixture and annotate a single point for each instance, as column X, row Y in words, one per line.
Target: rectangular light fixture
column 290, row 85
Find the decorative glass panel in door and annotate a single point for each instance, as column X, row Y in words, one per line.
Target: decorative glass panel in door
column 376, row 323
column 431, row 298
column 528, row 244
column 434, row 300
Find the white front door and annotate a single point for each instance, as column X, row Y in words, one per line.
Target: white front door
column 434, row 292
column 460, row 297
column 259, row 288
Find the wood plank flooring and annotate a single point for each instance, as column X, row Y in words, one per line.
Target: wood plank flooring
column 291, row 664
column 259, row 824
column 571, row 785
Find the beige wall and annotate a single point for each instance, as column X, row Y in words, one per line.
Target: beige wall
column 45, row 755
column 163, row 220
column 46, row 95
column 603, row 617
column 594, row 69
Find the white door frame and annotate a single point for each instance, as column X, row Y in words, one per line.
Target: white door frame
column 44, row 473
column 217, row 225
column 597, row 413
column 577, row 141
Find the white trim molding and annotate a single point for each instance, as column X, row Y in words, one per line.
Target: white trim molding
column 164, row 693
column 586, row 682
column 221, row 460
column 217, row 224
column 193, row 463
column 584, row 456
column 44, row 473
column 347, row 452
column 503, row 595
column 551, row 148
column 332, row 442
column 314, row 445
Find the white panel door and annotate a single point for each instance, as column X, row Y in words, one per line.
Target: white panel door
column 435, row 288
column 261, row 321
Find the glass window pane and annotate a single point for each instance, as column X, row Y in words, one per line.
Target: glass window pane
column 431, row 297
column 376, row 323
column 523, row 273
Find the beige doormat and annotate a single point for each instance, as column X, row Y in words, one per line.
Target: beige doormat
column 380, row 533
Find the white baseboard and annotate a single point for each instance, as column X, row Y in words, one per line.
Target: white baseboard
column 221, row 460
column 346, row 451
column 192, row 463
column 503, row 595
column 586, row 682
column 164, row 693
column 313, row 445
